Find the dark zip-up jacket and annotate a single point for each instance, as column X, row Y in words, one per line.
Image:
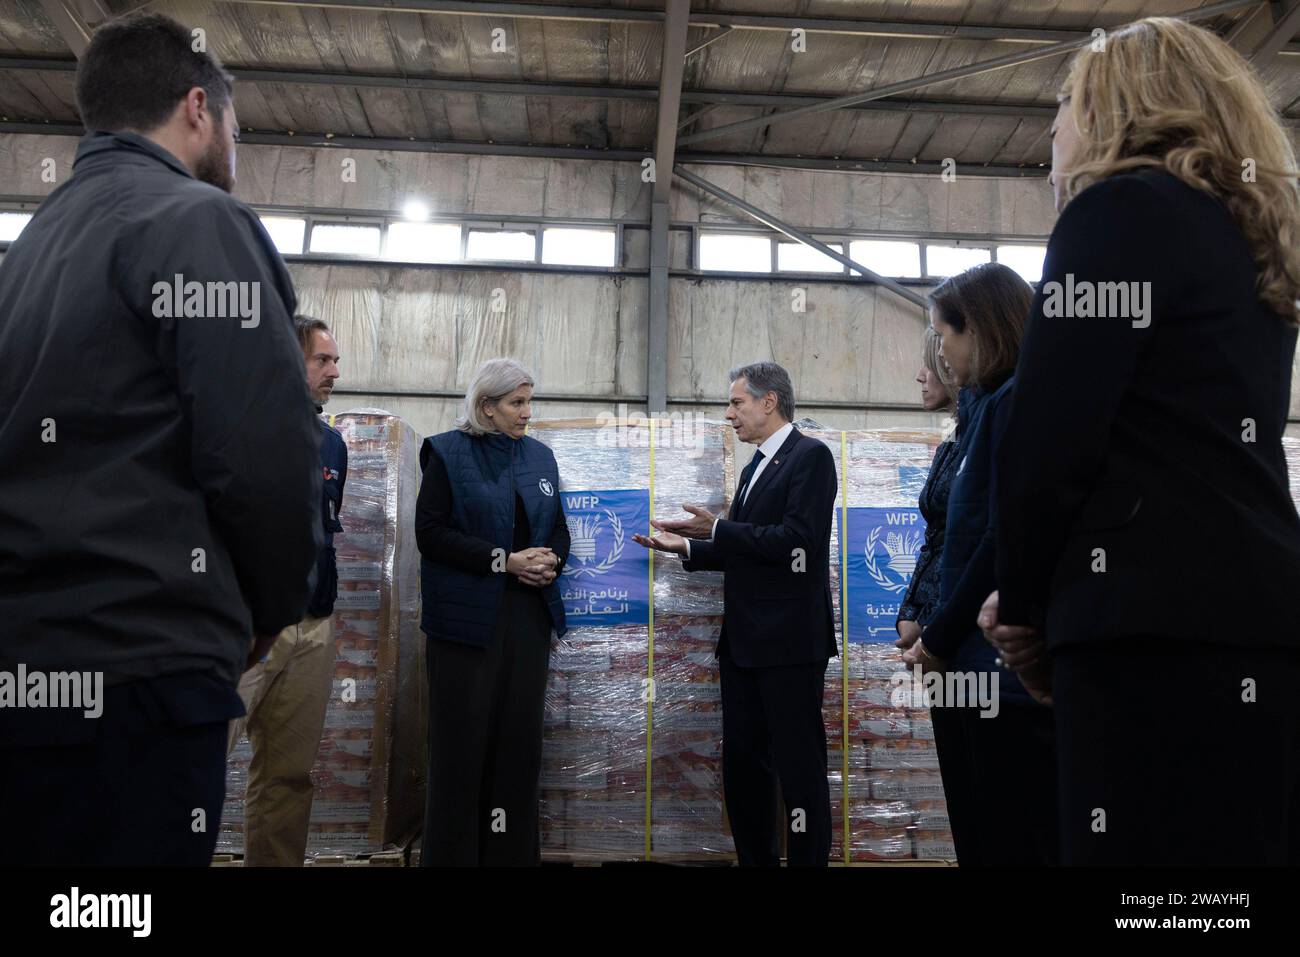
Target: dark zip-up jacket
column 160, row 478
column 334, row 475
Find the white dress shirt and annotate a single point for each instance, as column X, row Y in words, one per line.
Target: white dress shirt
column 769, row 448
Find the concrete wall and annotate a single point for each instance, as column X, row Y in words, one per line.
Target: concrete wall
column 414, row 329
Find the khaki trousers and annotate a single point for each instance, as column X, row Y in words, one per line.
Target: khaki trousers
column 285, row 697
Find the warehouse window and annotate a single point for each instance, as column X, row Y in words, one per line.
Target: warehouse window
column 730, row 252
column 1026, row 260
column 502, row 245
column 287, row 232
column 11, row 224
column 798, row 257
column 942, row 261
column 423, row 242
column 348, row 239
column 578, row 247
column 887, row 257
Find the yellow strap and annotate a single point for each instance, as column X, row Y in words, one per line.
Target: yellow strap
column 331, row 420
column 844, row 630
column 650, row 659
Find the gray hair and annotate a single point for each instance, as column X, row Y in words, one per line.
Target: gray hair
column 764, row 377
column 495, row 380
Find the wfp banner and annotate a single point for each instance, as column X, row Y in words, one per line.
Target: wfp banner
column 883, row 547
column 606, row 580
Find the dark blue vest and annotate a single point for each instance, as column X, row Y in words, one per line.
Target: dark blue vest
column 968, row 517
column 334, row 465
column 485, row 472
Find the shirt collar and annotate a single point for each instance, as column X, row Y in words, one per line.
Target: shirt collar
column 774, row 441
column 100, row 142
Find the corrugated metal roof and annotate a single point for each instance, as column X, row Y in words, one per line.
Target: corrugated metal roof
column 620, row 60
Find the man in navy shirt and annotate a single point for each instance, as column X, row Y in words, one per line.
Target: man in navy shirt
column 286, row 693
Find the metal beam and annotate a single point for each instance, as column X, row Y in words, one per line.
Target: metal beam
column 672, row 63
column 767, row 219
column 1285, row 27
column 709, row 41
column 575, row 90
column 737, row 21
column 971, row 69
column 75, row 20
column 313, row 140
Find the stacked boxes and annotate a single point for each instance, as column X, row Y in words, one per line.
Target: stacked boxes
column 621, row 692
column 369, row 771
column 597, row 789
column 1291, row 448
column 894, row 797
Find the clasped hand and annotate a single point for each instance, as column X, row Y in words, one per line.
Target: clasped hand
column 1020, row 648
column 533, row 566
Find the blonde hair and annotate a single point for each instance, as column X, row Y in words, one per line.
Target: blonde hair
column 938, row 368
column 1170, row 95
column 495, row 380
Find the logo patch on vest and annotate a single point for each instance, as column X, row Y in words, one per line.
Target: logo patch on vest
column 545, row 486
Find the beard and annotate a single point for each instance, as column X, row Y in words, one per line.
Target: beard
column 215, row 167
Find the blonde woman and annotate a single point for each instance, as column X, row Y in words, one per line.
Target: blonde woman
column 493, row 540
column 1148, row 548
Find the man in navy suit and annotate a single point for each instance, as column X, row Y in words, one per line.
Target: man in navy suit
column 778, row 629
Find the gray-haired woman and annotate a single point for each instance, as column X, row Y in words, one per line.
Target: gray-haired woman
column 493, row 539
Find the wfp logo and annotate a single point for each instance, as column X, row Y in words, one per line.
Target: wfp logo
column 585, row 538
column 901, row 549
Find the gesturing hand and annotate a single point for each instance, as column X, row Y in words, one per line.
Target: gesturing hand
column 700, row 525
column 664, row 542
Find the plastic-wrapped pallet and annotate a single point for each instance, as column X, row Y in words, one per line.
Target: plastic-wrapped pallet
column 632, row 754
column 894, row 794
column 370, row 768
column 1291, row 448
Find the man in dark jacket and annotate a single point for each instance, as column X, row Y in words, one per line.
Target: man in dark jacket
column 286, row 693
column 160, row 489
column 778, row 629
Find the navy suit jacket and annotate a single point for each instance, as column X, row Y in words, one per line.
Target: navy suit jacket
column 777, row 600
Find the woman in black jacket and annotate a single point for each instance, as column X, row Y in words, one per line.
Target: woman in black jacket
column 1149, row 550
column 493, row 540
column 994, row 741
column 938, row 394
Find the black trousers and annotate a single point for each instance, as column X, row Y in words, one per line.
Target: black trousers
column 1178, row 753
column 486, row 707
column 999, row 782
column 958, row 786
column 773, row 732
column 134, row 794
